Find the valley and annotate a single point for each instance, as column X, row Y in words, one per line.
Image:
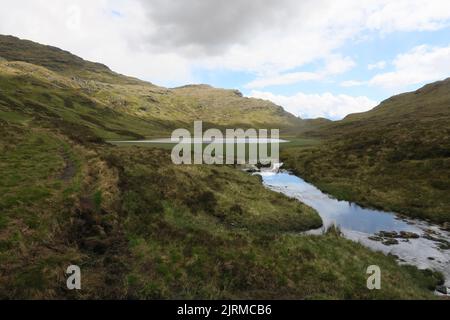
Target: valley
column 141, row 227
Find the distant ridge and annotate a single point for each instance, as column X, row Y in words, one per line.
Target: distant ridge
column 136, row 107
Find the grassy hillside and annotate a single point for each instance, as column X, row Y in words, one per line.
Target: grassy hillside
column 141, row 227
column 227, row 107
column 137, row 225
column 116, row 101
column 395, row 157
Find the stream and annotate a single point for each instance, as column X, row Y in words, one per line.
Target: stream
column 413, row 241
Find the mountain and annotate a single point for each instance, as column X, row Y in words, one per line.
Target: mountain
column 91, row 95
column 394, row 157
column 57, row 60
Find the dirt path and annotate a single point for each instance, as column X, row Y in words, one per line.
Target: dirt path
column 70, row 168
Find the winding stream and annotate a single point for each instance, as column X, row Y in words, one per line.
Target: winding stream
column 361, row 224
column 413, row 241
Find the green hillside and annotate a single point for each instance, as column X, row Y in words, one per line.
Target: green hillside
column 139, row 226
column 91, row 94
column 394, row 157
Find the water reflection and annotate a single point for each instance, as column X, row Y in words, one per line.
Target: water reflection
column 345, row 214
column 359, row 224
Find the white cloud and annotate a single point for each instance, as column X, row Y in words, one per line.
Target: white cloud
column 409, row 15
column 164, row 41
column 420, row 65
column 352, row 83
column 324, row 105
column 283, row 79
column 91, row 30
column 334, row 65
column 378, row 65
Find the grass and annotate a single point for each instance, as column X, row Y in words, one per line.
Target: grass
column 228, row 237
column 235, row 198
column 32, row 206
column 89, row 93
column 139, row 226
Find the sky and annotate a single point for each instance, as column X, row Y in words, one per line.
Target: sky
column 316, row 58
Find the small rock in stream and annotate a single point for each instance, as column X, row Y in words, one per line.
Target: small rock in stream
column 442, row 289
column 443, row 244
column 390, row 242
column 408, row 235
column 445, row 226
column 387, row 234
column 429, row 231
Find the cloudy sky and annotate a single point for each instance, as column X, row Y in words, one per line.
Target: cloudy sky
column 318, row 58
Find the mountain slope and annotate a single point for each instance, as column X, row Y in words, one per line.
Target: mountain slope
column 57, row 60
column 111, row 101
column 142, row 228
column 395, row 157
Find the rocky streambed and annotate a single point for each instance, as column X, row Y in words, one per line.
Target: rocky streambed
column 411, row 241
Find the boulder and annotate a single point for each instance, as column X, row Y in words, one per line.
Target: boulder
column 442, row 289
